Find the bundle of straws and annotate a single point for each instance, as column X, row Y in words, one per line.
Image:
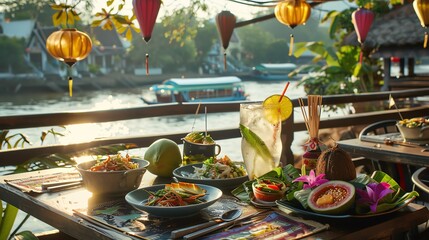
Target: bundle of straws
column 312, row 118
column 312, row 121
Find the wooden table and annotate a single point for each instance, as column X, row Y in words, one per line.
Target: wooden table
column 396, row 153
column 56, row 210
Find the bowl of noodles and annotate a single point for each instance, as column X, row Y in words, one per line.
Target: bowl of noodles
column 114, row 175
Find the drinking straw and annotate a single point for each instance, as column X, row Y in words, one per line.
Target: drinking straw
column 284, row 91
column 205, row 113
column 195, row 117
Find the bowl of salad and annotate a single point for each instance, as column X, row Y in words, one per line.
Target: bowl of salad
column 414, row 128
column 173, row 200
column 219, row 172
column 114, row 175
column 268, row 189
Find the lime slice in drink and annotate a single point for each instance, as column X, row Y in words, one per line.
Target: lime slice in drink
column 277, row 108
column 256, row 142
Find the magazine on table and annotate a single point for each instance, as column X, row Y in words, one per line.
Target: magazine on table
column 276, row 225
column 40, row 183
column 121, row 216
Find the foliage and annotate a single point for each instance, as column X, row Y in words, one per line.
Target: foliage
column 338, row 69
column 260, row 46
column 12, row 58
column 169, row 56
column 335, row 70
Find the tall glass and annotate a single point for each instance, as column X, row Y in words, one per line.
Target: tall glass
column 261, row 145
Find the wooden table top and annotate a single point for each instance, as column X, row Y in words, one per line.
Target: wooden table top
column 56, row 210
column 406, row 154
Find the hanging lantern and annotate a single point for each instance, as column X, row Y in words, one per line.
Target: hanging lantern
column 225, row 22
column 422, row 10
column 362, row 20
column 146, row 12
column 292, row 13
column 69, row 46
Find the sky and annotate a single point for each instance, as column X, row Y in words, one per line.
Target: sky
column 242, row 12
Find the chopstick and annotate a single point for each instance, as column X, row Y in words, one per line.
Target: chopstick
column 55, row 186
column 221, row 225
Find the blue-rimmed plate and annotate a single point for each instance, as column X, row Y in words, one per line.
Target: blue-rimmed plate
column 183, row 174
column 286, row 206
column 138, row 198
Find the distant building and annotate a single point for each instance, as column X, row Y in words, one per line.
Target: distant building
column 106, row 55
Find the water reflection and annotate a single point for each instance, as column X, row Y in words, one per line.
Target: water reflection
column 35, row 103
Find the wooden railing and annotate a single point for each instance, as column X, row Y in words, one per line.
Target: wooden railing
column 18, row 156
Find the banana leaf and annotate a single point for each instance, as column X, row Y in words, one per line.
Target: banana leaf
column 8, row 219
column 25, row 235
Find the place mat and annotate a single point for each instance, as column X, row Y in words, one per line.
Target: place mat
column 275, row 226
column 34, row 183
column 122, row 217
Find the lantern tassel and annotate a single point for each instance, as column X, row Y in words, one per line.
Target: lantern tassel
column 360, row 56
column 224, row 61
column 147, row 64
column 291, row 45
column 70, row 86
column 425, row 43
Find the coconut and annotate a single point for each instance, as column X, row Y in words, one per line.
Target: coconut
column 164, row 156
column 336, row 164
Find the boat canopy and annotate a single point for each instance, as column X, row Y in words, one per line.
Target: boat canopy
column 188, row 84
column 275, row 66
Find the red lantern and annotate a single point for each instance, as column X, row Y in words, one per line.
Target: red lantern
column 146, row 12
column 225, row 22
column 421, row 7
column 362, row 20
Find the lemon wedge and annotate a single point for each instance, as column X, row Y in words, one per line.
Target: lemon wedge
column 276, row 110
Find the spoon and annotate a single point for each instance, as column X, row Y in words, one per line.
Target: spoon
column 227, row 216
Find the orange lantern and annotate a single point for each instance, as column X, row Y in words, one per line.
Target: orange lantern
column 292, row 13
column 422, row 10
column 69, row 46
column 225, row 22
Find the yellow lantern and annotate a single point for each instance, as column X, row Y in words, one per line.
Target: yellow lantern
column 422, row 10
column 69, row 46
column 292, row 13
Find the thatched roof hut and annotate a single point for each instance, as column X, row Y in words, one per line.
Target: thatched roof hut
column 396, row 34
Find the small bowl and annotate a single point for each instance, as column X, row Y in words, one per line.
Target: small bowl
column 113, row 182
column 265, row 196
column 415, row 133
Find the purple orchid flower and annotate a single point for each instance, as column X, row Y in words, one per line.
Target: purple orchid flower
column 311, row 180
column 373, row 194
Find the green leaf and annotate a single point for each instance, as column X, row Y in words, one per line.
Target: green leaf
column 357, row 70
column 256, row 142
column 302, row 196
column 396, row 200
column 8, row 219
column 25, row 235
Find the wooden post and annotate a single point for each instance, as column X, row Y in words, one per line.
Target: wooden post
column 411, row 64
column 287, row 136
column 387, row 66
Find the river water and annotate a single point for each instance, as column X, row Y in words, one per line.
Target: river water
column 35, row 103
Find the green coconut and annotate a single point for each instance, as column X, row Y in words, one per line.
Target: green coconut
column 164, row 156
column 333, row 197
